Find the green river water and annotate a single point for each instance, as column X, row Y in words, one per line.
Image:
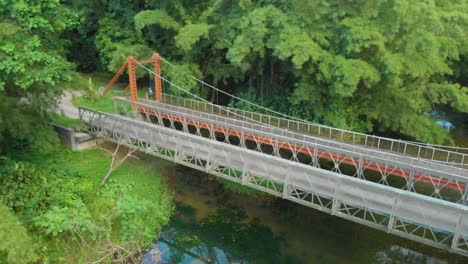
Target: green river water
column 212, row 224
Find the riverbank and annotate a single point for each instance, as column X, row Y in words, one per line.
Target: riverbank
column 215, row 221
column 212, row 224
column 70, row 218
column 390, row 246
column 135, row 196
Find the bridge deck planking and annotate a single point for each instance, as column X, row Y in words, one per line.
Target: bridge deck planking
column 388, row 209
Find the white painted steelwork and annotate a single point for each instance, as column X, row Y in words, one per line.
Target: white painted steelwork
column 417, row 217
column 420, row 176
column 454, row 156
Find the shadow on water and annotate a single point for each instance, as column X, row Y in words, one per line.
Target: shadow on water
column 459, row 134
column 224, row 236
column 212, row 224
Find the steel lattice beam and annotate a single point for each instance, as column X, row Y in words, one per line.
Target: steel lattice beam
column 459, row 157
column 424, row 219
column 418, row 174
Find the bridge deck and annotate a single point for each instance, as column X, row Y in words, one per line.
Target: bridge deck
column 421, row 218
column 453, row 156
column 402, row 158
column 445, row 182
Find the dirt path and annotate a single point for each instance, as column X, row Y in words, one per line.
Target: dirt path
column 65, row 104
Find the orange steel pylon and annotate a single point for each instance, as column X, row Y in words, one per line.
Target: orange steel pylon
column 131, row 64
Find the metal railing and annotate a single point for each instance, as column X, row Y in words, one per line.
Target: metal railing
column 420, row 218
column 421, row 151
column 420, row 176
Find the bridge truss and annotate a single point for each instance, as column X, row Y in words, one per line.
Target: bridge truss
column 406, row 188
column 411, row 174
column 448, row 155
column 414, row 216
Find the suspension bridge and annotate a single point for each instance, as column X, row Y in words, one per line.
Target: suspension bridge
column 417, row 191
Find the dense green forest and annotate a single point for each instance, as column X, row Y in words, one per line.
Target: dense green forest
column 375, row 67
column 370, row 66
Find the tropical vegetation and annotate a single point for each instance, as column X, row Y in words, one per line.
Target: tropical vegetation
column 381, row 67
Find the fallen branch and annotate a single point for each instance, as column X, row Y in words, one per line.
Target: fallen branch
column 114, row 165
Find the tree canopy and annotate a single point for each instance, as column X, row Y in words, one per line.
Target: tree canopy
column 381, row 67
column 367, row 66
column 374, row 67
column 32, row 48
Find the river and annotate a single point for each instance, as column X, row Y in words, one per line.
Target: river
column 460, row 133
column 213, row 224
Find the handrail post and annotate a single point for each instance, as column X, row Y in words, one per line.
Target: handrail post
column 410, row 180
column 465, row 195
column 456, row 234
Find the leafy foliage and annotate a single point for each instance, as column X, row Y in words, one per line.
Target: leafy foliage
column 91, row 93
column 30, row 48
column 373, row 69
column 62, row 207
column 159, row 17
column 190, row 34
column 23, row 132
column 134, row 214
column 181, row 75
column 33, row 61
column 29, row 189
column 15, row 241
column 111, row 35
column 38, row 194
column 66, row 219
column 119, row 56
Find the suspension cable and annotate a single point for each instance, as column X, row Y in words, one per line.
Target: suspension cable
column 238, row 98
column 201, row 99
column 292, row 117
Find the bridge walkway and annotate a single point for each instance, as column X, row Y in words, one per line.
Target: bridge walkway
column 420, row 176
column 425, row 219
column 452, row 156
column 297, row 135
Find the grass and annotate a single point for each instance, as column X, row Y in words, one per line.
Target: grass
column 103, row 103
column 143, row 174
column 80, row 81
column 63, row 120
